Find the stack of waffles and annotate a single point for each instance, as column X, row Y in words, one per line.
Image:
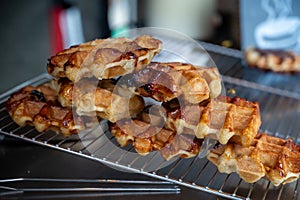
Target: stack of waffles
column 111, row 79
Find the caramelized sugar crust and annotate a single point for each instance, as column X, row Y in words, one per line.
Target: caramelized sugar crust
column 104, row 58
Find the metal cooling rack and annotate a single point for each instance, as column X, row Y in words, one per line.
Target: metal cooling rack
column 280, row 112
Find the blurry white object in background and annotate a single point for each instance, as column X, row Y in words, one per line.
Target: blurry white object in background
column 71, row 26
column 192, row 17
column 119, row 15
column 280, row 30
column 278, row 34
column 66, row 26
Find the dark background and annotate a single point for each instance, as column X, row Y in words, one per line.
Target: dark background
column 25, row 35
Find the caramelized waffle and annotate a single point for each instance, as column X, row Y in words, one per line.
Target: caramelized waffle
column 184, row 146
column 146, row 138
column 166, row 81
column 275, row 60
column 234, row 119
column 191, row 110
column 90, row 97
column 268, row 157
column 103, row 58
column 38, row 106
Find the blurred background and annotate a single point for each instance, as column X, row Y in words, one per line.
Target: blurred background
column 33, row 30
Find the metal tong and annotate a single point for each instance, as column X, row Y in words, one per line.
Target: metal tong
column 57, row 187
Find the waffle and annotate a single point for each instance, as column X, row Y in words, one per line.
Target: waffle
column 146, row 138
column 103, row 58
column 184, row 146
column 234, row 119
column 166, row 81
column 38, row 106
column 268, row 157
column 275, row 60
column 92, row 97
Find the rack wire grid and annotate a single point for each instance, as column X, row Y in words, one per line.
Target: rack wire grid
column 280, row 112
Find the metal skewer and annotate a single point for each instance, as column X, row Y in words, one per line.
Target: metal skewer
column 121, row 187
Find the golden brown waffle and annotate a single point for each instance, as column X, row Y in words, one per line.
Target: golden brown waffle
column 146, row 138
column 268, row 157
column 275, row 60
column 104, row 58
column 184, row 146
column 38, row 106
column 234, row 119
column 166, row 81
column 92, row 97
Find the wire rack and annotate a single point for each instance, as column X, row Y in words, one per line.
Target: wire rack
column 278, row 119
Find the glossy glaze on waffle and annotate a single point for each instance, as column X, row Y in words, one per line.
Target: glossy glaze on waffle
column 275, row 60
column 269, row 157
column 38, row 106
column 234, row 119
column 146, row 137
column 91, row 97
column 103, row 58
column 166, row 81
